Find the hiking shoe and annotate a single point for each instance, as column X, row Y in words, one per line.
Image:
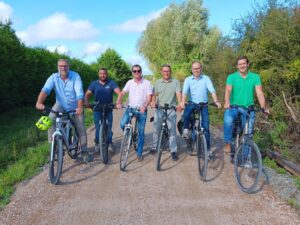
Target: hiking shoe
column 186, row 133
column 110, row 148
column 85, row 157
column 174, row 156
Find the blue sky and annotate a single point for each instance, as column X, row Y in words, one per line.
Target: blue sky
column 84, row 29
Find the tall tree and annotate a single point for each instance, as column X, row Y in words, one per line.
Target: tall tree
column 118, row 69
column 178, row 36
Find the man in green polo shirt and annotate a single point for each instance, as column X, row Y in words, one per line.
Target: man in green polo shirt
column 240, row 88
column 166, row 90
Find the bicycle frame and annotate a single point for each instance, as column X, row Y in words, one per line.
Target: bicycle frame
column 63, row 127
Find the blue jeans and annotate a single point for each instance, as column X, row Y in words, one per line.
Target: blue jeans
column 141, row 122
column 97, row 121
column 204, row 120
column 230, row 115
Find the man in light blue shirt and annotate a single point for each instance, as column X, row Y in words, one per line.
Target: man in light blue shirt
column 69, row 94
column 196, row 87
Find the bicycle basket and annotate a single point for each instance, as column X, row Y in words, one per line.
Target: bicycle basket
column 44, row 123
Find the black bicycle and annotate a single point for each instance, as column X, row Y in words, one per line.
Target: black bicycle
column 64, row 138
column 196, row 142
column 164, row 132
column 245, row 153
column 130, row 138
column 103, row 132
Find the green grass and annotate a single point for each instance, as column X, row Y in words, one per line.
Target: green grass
column 23, row 148
column 273, row 165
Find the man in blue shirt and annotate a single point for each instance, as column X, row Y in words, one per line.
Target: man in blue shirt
column 69, row 94
column 196, row 87
column 103, row 90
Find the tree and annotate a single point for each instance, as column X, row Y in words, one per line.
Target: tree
column 118, row 69
column 179, row 36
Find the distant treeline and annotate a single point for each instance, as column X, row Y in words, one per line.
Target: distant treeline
column 24, row 70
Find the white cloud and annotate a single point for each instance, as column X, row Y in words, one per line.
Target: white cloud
column 5, row 12
column 95, row 48
column 137, row 24
column 61, row 49
column 58, row 27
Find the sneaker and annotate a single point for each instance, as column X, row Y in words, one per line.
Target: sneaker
column 140, row 158
column 227, row 148
column 211, row 156
column 97, row 148
column 85, row 157
column 174, row 156
column 110, row 148
column 152, row 151
column 186, row 133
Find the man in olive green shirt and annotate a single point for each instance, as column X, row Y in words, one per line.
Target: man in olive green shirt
column 240, row 88
column 166, row 90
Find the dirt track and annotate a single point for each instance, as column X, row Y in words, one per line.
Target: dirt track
column 99, row 194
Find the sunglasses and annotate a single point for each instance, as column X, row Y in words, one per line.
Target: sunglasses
column 136, row 71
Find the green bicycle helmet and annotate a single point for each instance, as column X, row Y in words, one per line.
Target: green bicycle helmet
column 44, row 123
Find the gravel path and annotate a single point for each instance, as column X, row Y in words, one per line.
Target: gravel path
column 102, row 194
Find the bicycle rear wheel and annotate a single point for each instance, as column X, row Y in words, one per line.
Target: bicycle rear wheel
column 247, row 166
column 56, row 159
column 125, row 146
column 160, row 146
column 202, row 156
column 103, row 143
column 74, row 143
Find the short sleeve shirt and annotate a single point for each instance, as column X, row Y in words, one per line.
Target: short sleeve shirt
column 166, row 91
column 242, row 93
column 103, row 92
column 197, row 89
column 138, row 92
column 67, row 92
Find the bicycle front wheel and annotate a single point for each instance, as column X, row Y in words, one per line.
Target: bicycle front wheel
column 160, row 146
column 56, row 159
column 247, row 166
column 202, row 155
column 103, row 143
column 125, row 146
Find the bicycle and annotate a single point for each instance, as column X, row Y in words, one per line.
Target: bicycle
column 197, row 141
column 64, row 138
column 245, row 153
column 103, row 133
column 129, row 138
column 164, row 133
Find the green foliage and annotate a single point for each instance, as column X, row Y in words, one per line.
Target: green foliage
column 25, row 168
column 179, row 36
column 118, row 69
column 273, row 165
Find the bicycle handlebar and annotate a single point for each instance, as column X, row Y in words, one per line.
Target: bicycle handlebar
column 47, row 110
column 251, row 108
column 100, row 107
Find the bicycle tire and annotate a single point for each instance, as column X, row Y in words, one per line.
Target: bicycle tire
column 124, row 151
column 73, row 141
column 56, row 160
column 159, row 149
column 103, row 143
column 202, row 156
column 248, row 166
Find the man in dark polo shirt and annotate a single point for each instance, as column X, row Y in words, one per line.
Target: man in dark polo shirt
column 103, row 90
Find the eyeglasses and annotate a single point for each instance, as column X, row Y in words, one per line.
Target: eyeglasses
column 136, row 71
